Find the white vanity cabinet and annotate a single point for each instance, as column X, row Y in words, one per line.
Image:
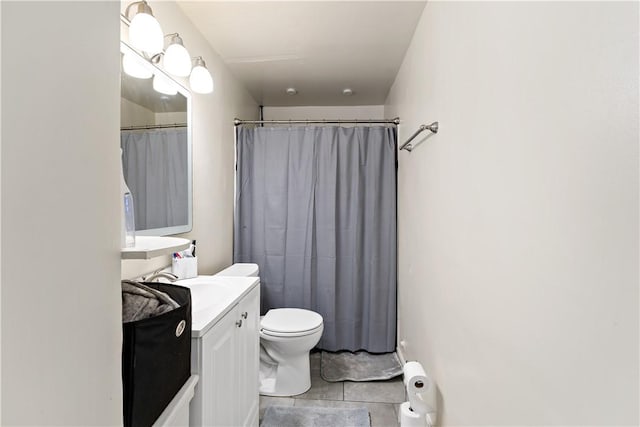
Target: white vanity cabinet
column 249, row 358
column 225, row 355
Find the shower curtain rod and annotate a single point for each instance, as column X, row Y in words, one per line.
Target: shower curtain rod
column 394, row 121
column 175, row 125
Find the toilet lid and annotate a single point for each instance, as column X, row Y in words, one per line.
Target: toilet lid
column 290, row 320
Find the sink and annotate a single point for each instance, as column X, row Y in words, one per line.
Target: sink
column 208, row 292
column 204, row 280
column 205, row 296
column 212, row 297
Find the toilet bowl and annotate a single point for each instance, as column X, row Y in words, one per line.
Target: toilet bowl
column 286, row 337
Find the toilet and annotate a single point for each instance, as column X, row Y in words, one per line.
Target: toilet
column 286, row 337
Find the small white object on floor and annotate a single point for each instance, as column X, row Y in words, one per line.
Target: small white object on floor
column 421, row 409
column 408, row 418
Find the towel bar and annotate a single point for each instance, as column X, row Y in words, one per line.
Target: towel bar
column 433, row 127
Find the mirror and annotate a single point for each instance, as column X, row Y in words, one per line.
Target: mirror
column 155, row 137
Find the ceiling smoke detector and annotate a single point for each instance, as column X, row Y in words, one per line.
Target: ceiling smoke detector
column 291, row 91
column 347, row 92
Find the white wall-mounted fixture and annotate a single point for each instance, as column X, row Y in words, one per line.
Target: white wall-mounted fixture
column 291, row 91
column 145, row 33
column 200, row 79
column 132, row 67
column 146, row 36
column 162, row 85
column 347, row 92
column 176, row 57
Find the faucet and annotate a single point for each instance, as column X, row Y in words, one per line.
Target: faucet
column 157, row 274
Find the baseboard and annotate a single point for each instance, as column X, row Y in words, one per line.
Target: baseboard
column 401, row 356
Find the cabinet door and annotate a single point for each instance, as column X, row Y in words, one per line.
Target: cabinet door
column 195, row 406
column 219, row 365
column 249, row 358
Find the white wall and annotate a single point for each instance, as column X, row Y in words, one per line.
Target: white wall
column 171, row 118
column 132, row 114
column 0, row 220
column 324, row 112
column 213, row 150
column 518, row 222
column 61, row 322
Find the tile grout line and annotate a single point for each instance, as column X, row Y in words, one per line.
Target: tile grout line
column 352, row 401
column 377, row 403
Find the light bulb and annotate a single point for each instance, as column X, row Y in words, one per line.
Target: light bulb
column 176, row 58
column 200, row 79
column 145, row 33
column 134, row 68
column 163, row 85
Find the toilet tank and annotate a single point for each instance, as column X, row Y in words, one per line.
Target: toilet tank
column 240, row 270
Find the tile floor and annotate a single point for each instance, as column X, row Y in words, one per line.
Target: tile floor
column 381, row 398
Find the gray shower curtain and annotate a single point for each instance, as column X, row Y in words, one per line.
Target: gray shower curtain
column 316, row 210
column 154, row 164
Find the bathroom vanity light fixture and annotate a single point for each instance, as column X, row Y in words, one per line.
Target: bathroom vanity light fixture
column 200, row 79
column 132, row 67
column 145, row 33
column 176, row 57
column 162, row 85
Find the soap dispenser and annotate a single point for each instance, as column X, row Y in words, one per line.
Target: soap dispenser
column 127, row 213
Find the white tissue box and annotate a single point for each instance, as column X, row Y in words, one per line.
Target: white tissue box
column 185, row 268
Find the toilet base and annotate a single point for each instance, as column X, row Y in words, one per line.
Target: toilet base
column 285, row 379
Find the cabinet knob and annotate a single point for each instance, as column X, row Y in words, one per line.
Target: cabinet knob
column 239, row 323
column 244, row 315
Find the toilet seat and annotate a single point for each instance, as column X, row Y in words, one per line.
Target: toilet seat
column 290, row 322
column 275, row 334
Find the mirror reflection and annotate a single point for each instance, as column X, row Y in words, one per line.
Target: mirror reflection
column 155, row 141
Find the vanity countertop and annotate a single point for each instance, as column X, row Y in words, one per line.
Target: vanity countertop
column 212, row 297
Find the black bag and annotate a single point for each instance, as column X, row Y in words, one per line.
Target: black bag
column 156, row 358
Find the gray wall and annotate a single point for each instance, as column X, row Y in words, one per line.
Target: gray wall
column 61, row 330
column 518, row 222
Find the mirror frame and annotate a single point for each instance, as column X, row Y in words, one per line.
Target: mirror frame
column 177, row 229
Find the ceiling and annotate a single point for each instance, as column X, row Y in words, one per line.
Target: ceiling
column 317, row 47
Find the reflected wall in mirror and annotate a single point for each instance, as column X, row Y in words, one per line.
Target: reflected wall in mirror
column 155, row 137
